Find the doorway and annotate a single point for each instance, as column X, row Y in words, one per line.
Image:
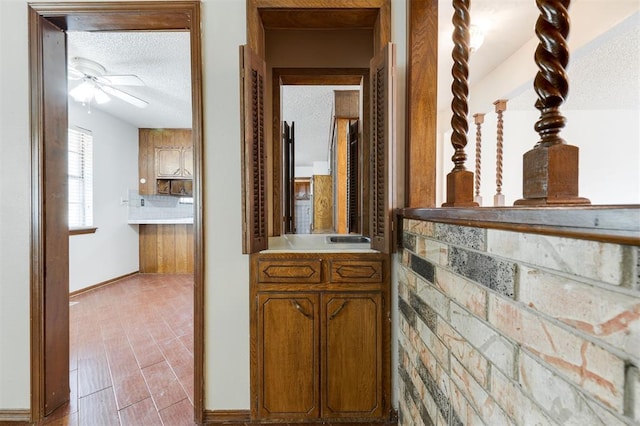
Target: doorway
column 48, row 24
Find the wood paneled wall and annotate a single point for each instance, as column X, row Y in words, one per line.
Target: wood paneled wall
column 148, row 141
column 166, row 249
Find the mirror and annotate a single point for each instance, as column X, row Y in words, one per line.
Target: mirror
column 320, row 151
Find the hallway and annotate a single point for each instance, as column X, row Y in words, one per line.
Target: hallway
column 131, row 353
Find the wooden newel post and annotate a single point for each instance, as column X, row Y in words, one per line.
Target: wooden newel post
column 550, row 169
column 460, row 180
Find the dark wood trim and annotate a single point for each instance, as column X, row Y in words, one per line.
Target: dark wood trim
column 139, row 15
column 226, row 416
column 83, row 230
column 212, row 417
column 610, row 224
column 37, row 230
column 421, row 117
column 101, row 284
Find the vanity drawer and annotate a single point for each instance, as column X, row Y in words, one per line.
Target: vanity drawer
column 355, row 271
column 290, row 271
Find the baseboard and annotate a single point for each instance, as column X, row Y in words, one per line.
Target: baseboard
column 212, row 417
column 15, row 417
column 102, row 284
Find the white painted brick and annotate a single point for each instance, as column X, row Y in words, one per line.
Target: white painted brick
column 467, row 293
column 487, row 341
column 600, row 372
column 432, row 297
column 477, row 396
column 432, row 250
column 472, row 360
column 590, row 259
column 565, row 403
column 517, row 405
column 608, row 315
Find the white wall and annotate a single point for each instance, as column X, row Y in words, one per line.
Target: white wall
column 113, row 250
column 227, row 270
column 15, row 166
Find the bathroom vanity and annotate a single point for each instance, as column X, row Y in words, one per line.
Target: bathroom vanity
column 320, row 330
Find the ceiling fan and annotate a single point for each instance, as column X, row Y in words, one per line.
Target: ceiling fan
column 97, row 85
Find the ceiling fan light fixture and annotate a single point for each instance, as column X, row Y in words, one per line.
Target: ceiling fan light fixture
column 83, row 92
column 100, row 96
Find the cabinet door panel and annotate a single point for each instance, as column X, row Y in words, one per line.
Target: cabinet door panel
column 187, row 162
column 168, row 162
column 352, row 355
column 288, row 346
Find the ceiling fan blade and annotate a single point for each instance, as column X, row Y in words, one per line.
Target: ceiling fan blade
column 74, row 74
column 133, row 100
column 122, row 80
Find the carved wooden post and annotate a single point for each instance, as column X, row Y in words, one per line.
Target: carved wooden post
column 460, row 180
column 478, row 119
column 501, row 106
column 550, row 169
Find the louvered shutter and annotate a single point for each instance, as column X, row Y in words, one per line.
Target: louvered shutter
column 382, row 158
column 254, row 200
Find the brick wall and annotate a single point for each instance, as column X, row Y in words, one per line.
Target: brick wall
column 500, row 327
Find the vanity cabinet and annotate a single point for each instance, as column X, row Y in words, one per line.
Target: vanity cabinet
column 321, row 325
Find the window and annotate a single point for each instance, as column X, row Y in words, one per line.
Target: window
column 80, row 178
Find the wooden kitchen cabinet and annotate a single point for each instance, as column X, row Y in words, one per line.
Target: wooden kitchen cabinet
column 163, row 155
column 174, row 163
column 321, row 329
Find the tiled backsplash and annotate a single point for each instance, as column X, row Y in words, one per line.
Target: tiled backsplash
column 147, row 207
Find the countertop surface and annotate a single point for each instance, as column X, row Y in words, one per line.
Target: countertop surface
column 172, row 221
column 310, row 243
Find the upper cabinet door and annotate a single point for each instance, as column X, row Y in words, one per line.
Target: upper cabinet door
column 382, row 71
column 254, row 200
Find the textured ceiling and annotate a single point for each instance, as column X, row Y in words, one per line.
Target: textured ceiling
column 160, row 59
column 311, row 109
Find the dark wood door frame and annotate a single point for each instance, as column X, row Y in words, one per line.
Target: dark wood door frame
column 105, row 16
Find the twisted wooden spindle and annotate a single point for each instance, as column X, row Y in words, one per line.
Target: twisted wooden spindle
column 460, row 86
column 501, row 106
column 552, row 56
column 460, row 180
column 478, row 119
column 550, row 169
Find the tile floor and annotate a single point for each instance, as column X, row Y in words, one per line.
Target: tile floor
column 131, row 354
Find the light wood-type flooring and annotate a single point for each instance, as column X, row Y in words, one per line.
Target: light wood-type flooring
column 131, row 354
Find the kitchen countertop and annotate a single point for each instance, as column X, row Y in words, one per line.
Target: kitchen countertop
column 172, row 221
column 309, row 243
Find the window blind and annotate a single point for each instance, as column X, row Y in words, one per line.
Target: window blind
column 80, row 178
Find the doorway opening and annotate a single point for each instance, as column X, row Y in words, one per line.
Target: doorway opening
column 48, row 24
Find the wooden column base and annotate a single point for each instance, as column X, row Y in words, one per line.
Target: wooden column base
column 460, row 189
column 550, row 177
